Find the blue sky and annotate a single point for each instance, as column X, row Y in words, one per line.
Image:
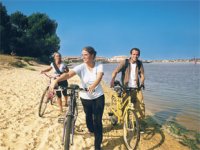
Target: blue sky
column 161, row 29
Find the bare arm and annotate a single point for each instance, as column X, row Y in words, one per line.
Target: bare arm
column 46, row 70
column 63, row 77
column 67, row 69
column 142, row 77
column 114, row 74
column 96, row 82
column 116, row 71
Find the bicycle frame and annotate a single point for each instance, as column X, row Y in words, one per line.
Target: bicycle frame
column 71, row 111
column 124, row 112
column 50, row 77
column 122, row 107
column 48, row 95
column 55, row 89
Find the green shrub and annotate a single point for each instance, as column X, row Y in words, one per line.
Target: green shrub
column 191, row 143
column 44, row 59
column 30, row 68
column 18, row 64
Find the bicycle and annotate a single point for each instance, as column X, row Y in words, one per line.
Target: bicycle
column 122, row 111
column 48, row 96
column 70, row 116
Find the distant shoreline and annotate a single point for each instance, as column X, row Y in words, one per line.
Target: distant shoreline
column 117, row 59
column 144, row 62
column 47, row 128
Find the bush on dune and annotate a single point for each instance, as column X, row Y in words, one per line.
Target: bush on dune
column 30, row 36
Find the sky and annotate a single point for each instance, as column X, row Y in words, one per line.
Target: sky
column 161, row 29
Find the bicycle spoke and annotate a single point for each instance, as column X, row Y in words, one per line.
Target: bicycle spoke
column 131, row 130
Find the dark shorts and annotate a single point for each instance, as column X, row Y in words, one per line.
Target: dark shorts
column 64, row 92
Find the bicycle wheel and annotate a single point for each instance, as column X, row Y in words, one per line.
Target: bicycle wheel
column 43, row 102
column 68, row 130
column 112, row 116
column 131, row 130
column 73, row 124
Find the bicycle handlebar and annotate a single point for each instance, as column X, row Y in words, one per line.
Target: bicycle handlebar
column 80, row 89
column 58, row 88
column 76, row 87
column 117, row 83
column 50, row 76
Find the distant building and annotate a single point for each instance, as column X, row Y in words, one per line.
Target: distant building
column 102, row 59
column 71, row 59
column 117, row 58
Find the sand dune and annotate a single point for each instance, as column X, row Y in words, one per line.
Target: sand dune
column 22, row 129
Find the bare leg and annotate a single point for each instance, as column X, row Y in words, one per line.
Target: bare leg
column 60, row 104
column 66, row 98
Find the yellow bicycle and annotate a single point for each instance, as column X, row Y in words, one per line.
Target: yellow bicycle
column 122, row 111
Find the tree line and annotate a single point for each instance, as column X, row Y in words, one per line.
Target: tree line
column 33, row 36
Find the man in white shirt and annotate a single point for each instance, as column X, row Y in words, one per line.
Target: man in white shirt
column 132, row 76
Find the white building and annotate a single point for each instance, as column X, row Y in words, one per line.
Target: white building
column 117, row 58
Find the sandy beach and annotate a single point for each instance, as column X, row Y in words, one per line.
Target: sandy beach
column 22, row 129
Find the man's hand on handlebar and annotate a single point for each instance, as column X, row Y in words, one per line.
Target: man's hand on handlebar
column 142, row 86
column 112, row 83
column 90, row 89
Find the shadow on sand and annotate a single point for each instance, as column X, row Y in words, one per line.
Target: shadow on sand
column 153, row 136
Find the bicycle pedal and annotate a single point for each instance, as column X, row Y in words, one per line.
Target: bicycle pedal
column 61, row 120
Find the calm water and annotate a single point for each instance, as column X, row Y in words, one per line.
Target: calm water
column 172, row 91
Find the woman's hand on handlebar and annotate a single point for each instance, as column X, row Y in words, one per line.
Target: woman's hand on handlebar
column 142, row 86
column 91, row 88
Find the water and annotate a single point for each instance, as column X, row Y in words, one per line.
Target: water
column 172, row 91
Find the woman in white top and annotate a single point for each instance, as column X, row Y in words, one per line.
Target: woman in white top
column 59, row 68
column 93, row 101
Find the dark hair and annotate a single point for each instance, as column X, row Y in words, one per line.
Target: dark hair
column 135, row 49
column 56, row 53
column 90, row 50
